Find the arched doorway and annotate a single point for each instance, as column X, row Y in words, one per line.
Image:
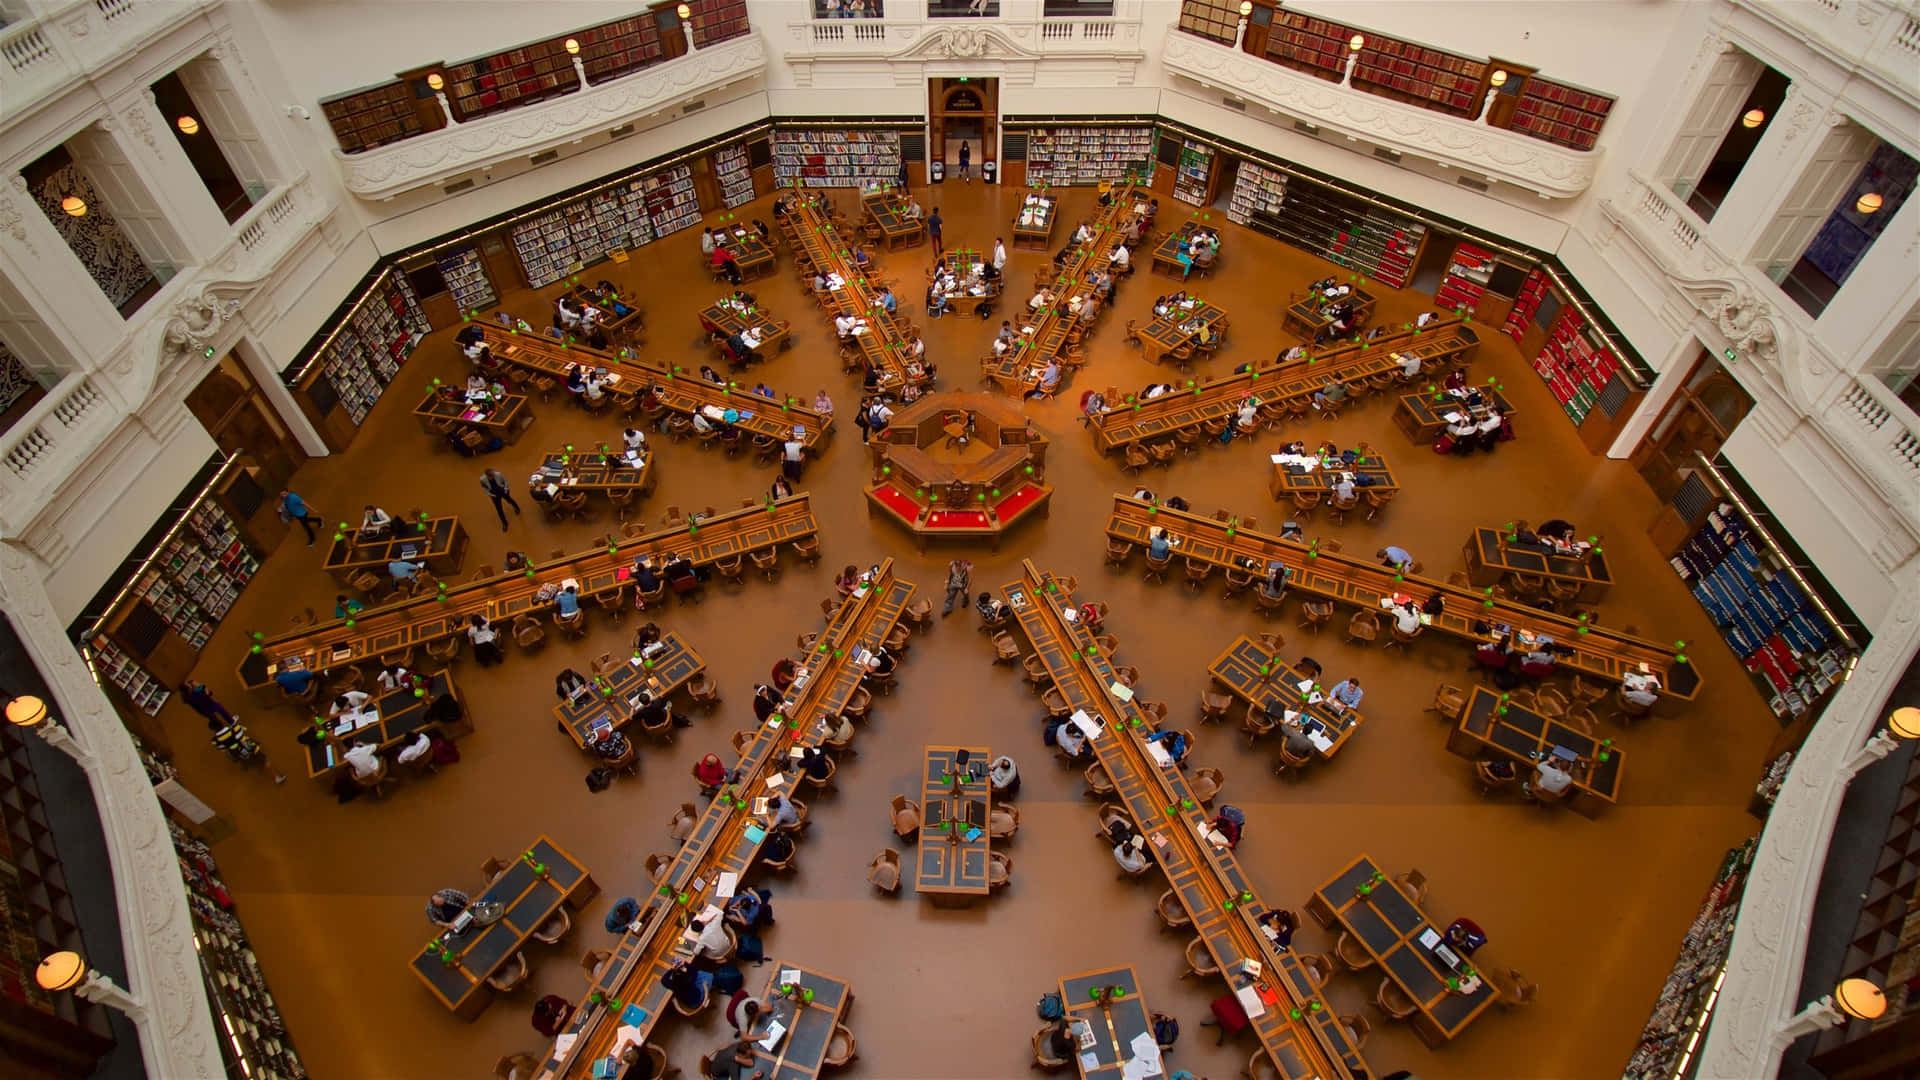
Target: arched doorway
column 963, row 110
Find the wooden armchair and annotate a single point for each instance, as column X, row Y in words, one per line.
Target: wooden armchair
column 905, row 815
column 883, row 872
column 527, row 632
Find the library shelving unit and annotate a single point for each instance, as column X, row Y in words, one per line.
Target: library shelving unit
column 1308, row 43
column 1681, row 1013
column 467, row 279
column 1256, row 190
column 1573, row 366
column 1218, row 20
column 111, row 662
column 237, row 988
column 1560, row 114
column 1466, row 279
column 717, row 20
column 37, row 918
column 1430, row 78
column 1763, row 611
column 509, row 79
column 1532, row 291
column 1069, row 156
column 1347, row 231
column 735, row 173
column 364, row 119
column 610, row 50
column 671, row 201
column 856, row 159
column 552, row 244
column 1195, row 169
column 366, row 351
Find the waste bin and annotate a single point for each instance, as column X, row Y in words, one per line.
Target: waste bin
column 936, row 172
column 989, row 172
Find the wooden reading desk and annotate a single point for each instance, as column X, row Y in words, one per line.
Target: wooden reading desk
column 439, row 542
column 809, row 1008
column 612, row 697
column 1602, row 652
column 1115, row 1022
column 725, row 317
column 504, row 419
column 726, row 839
column 753, row 255
column 964, row 301
column 423, row 619
column 595, row 472
column 1208, row 879
column 530, row 898
column 1491, row 558
column 622, row 328
column 1033, row 220
column 1304, row 318
column 1523, row 737
column 1181, row 327
column 951, row 869
column 1045, row 336
column 401, row 714
column 1288, row 480
column 888, row 211
column 1259, row 677
column 884, row 345
column 1422, row 416
column 1166, row 254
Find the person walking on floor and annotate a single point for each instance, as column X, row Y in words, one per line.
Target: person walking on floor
column 933, row 230
column 198, row 698
column 959, row 573
column 231, row 736
column 295, row 508
column 966, row 161
column 495, row 484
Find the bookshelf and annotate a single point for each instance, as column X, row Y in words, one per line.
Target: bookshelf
column 364, row 119
column 856, row 159
column 1685, row 1005
column 509, row 79
column 371, row 343
column 1573, row 366
column 610, row 50
column 1070, row 156
column 111, row 662
column 672, row 204
column 735, row 174
column 717, row 20
column 1195, row 171
column 1763, row 613
column 1326, row 222
column 1430, row 78
column 1532, row 292
column 1560, row 114
column 1885, row 946
column 1466, row 279
column 1308, row 43
column 552, row 244
column 1218, row 20
column 236, row 986
column 467, row 280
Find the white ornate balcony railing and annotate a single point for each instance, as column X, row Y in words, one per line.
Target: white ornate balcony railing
column 1455, row 142
column 1881, row 418
column 1010, row 41
column 63, row 430
column 68, row 41
column 436, row 156
column 1878, row 38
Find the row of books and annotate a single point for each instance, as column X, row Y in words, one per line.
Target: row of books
column 374, row 340
column 858, row 159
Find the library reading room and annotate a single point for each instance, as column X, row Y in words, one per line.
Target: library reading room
column 798, row 539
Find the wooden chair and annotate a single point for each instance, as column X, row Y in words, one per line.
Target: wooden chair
column 807, row 549
column 1126, row 674
column 1395, row 1003
column 1304, row 504
column 516, row 1067
column 905, row 815
column 1515, row 990
column 1036, row 670
column 706, row 998
column 1005, row 649
column 681, row 824
column 656, row 866
column 1315, row 613
column 1550, row 702
column 1319, row 967
column 704, row 692
column 1257, row 722
column 1377, row 501
column 1003, row 821
column 841, row 1048
column 445, row 650
column 1206, row 783
column 732, row 568
column 859, row 705
column 1214, row 705
column 1136, row 458
column 1358, row 1027
column 1157, row 568
column 1173, row 915
column 1238, row 581
column 1490, row 781
column 1197, row 573
column 1111, row 814
column 1117, row 551
column 1099, row 781
column 1587, row 693
column 1267, row 606
column 1043, row 1056
column 920, row 612
column 1400, row 639
column 572, row 627
column 1200, row 961
column 527, row 633
column 1289, row 762
column 661, row 729
column 999, row 870
column 1055, row 702
column 883, row 872
column 1415, row 883
column 593, row 960
column 557, row 926
column 1352, row 954
column 1363, row 628
column 767, row 561
column 1448, row 700
column 1626, row 711
column 374, row 785
column 493, row 870
column 512, row 974
column 1107, row 643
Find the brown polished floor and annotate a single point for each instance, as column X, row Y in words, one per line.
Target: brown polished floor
column 1592, row 910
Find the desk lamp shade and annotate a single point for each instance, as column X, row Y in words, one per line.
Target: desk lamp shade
column 1856, row 997
column 31, row 711
column 64, row 970
column 1905, row 721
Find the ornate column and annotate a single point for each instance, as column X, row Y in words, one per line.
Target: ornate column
column 177, row 1037
column 160, row 166
column 36, row 261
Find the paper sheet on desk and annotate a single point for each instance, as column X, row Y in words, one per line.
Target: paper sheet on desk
column 1146, row 1058
column 727, row 883
column 1320, row 741
column 1250, row 1001
column 1088, row 726
column 789, row 976
column 1089, row 1061
column 1159, row 755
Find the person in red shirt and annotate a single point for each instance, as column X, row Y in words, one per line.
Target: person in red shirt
column 724, row 262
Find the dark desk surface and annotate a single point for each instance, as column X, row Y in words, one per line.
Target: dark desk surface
column 888, row 209
column 748, row 249
column 801, row 1053
column 352, row 553
column 1429, row 415
column 727, row 319
column 594, row 472
column 1321, row 479
column 947, row 865
column 1306, row 313
column 1115, row 1025
column 1531, row 559
column 1524, row 736
column 401, row 715
column 530, row 900
column 1360, row 581
column 1168, row 249
column 610, row 697
column 494, row 415
column 1163, row 335
column 1278, row 691
column 1389, row 925
column 590, row 296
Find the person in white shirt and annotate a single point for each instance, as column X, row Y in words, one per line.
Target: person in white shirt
column 1406, row 618
column 999, row 254
column 707, row 242
column 1550, row 777
column 569, row 318
column 1083, row 234
column 348, row 702
column 1425, row 318
column 473, row 349
column 880, row 415
column 364, row 759
column 391, row 677
column 1156, row 390
column 1490, row 425
column 1040, row 299
column 1343, row 489
column 1638, row 690
column 792, row 454
column 700, row 422
column 635, row 439
column 844, row 324
column 1132, row 855
column 1070, row 740
column 415, row 750
column 1121, row 257
column 1249, row 410
column 713, row 938
column 376, row 520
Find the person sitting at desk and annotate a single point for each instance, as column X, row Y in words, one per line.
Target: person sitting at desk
column 485, row 648
column 1394, row 557
column 1409, row 366
column 1548, row 779
column 1274, row 585
column 293, row 681
column 1005, row 339
column 1132, row 855
column 722, row 261
column 1245, row 419
column 1229, row 822
column 766, row 702
column 844, row 326
column 348, row 702
column 887, row 301
column 1406, row 618
column 781, row 813
column 567, row 600
column 688, row 985
column 680, row 573
column 1297, row 742
column 568, row 683
column 550, row 1015
column 1071, row 741
column 1089, row 309
column 1173, row 742
column 1175, row 502
column 364, row 759
column 990, row 609
column 569, row 315
column 1062, row 1039
column 403, row 570
column 1083, row 234
column 862, row 261
column 784, row 672
column 1465, row 935
column 375, row 522
column 345, row 607
column 708, row 241
column 1041, row 298
column 820, row 282
column 1539, row 662
column 644, row 579
column 709, row 772
column 1159, row 545
column 1102, row 284
column 1121, row 258
column 780, row 488
column 815, row 763
column 477, row 387
column 1049, row 380
column 702, row 425
column 1333, row 393
column 1279, row 924
column 751, row 909
column 1343, row 488
column 446, row 905
column 1291, row 530
column 881, row 662
column 847, row 580
column 1155, row 390
column 1346, row 694
column 1557, row 529
column 394, row 677
column 1640, row 689
column 610, row 745
column 1004, row 776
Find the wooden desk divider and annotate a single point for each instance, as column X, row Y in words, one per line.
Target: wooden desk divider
column 726, row 838
column 1359, row 581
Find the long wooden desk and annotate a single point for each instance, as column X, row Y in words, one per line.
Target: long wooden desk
column 753, row 255
column 594, row 472
column 1358, row 581
column 401, row 714
column 460, row 982
column 1389, row 925
column 963, row 301
column 1166, row 254
column 1220, row 398
column 888, row 210
column 1320, row 480
column 722, row 840
column 611, row 697
column 1259, row 677
column 504, row 419
column 1523, row 737
column 1296, row 1026
column 1490, row 559
column 618, row 327
column 1115, row 1023
column 884, row 345
column 723, row 317
column 1179, row 327
column 429, row 618
column 1045, row 337
column 1304, row 318
column 1423, row 418
column 952, row 869
column 679, row 392
column 1033, row 220
column 439, row 542
column 809, row 1017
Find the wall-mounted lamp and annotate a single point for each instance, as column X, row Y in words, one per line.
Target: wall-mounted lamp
column 1240, row 32
column 1357, row 42
column 63, row 971
column 29, row 713
column 436, row 83
column 686, row 23
column 187, row 125
column 1753, row 118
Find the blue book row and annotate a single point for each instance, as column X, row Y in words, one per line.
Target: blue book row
column 1750, row 609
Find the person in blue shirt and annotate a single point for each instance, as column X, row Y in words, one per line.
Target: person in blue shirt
column 568, row 602
column 295, row 508
column 1159, row 547
column 1174, row 743
column 1346, row 694
column 403, row 571
column 346, row 608
column 887, row 301
column 1396, row 557
column 294, row 681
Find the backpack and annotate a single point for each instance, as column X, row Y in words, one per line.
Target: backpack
column 600, row 779
column 1165, row 1030
column 1233, row 814
column 1051, row 1007
column 728, row 980
column 749, row 949
column 1443, row 444
column 1049, row 735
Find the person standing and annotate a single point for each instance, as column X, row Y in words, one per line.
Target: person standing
column 966, row 161
column 959, row 572
column 999, row 255
column 933, row 230
column 295, row 508
column 231, row 736
column 792, row 453
column 198, row 698
column 495, row 484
